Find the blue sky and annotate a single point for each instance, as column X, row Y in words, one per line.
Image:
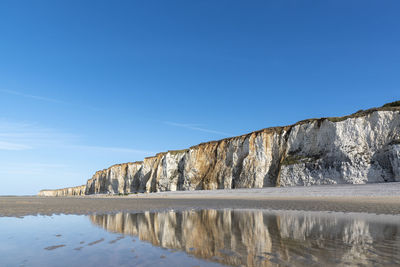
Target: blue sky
column 87, row 84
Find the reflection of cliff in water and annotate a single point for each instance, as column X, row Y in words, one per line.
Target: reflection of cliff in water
column 265, row 238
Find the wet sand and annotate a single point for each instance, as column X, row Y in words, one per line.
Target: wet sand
column 371, row 198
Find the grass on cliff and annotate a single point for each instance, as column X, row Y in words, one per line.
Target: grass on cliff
column 393, row 104
column 174, row 152
column 361, row 113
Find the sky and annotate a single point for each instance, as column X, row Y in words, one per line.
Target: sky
column 88, row 84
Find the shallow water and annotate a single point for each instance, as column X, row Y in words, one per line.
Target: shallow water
column 202, row 238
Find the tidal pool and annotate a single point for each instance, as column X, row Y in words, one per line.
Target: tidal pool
column 202, row 238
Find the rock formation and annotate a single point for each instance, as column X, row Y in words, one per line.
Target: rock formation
column 360, row 148
column 69, row 191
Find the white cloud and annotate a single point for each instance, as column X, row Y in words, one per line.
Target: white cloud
column 113, row 149
column 46, row 99
column 13, row 146
column 23, row 136
column 10, row 92
column 196, row 128
column 31, row 168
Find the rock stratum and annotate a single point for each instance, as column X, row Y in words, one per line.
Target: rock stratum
column 360, row 148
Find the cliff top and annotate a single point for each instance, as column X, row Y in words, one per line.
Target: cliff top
column 393, row 106
column 60, row 189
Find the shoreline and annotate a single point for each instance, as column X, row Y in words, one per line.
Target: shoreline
column 369, row 198
column 389, row 189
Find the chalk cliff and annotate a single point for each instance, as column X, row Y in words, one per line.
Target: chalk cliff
column 360, row 148
column 69, row 191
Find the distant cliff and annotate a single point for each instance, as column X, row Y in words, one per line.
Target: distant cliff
column 360, row 148
column 69, row 191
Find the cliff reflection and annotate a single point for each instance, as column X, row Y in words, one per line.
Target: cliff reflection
column 264, row 238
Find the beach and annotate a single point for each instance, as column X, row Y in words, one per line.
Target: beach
column 383, row 198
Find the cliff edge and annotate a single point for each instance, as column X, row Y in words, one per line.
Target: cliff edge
column 360, row 148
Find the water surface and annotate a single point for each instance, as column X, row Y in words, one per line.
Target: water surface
column 202, row 238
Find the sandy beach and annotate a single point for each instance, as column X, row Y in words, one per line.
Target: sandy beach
column 369, row 198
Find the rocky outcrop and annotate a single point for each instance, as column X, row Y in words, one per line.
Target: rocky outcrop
column 69, row 191
column 265, row 238
column 360, row 148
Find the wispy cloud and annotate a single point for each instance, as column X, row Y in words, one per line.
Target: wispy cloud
column 24, row 136
column 195, row 127
column 47, row 99
column 112, row 149
column 13, row 146
column 36, row 97
column 31, row 168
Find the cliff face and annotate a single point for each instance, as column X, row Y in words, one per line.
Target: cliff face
column 260, row 238
column 360, row 148
column 69, row 191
